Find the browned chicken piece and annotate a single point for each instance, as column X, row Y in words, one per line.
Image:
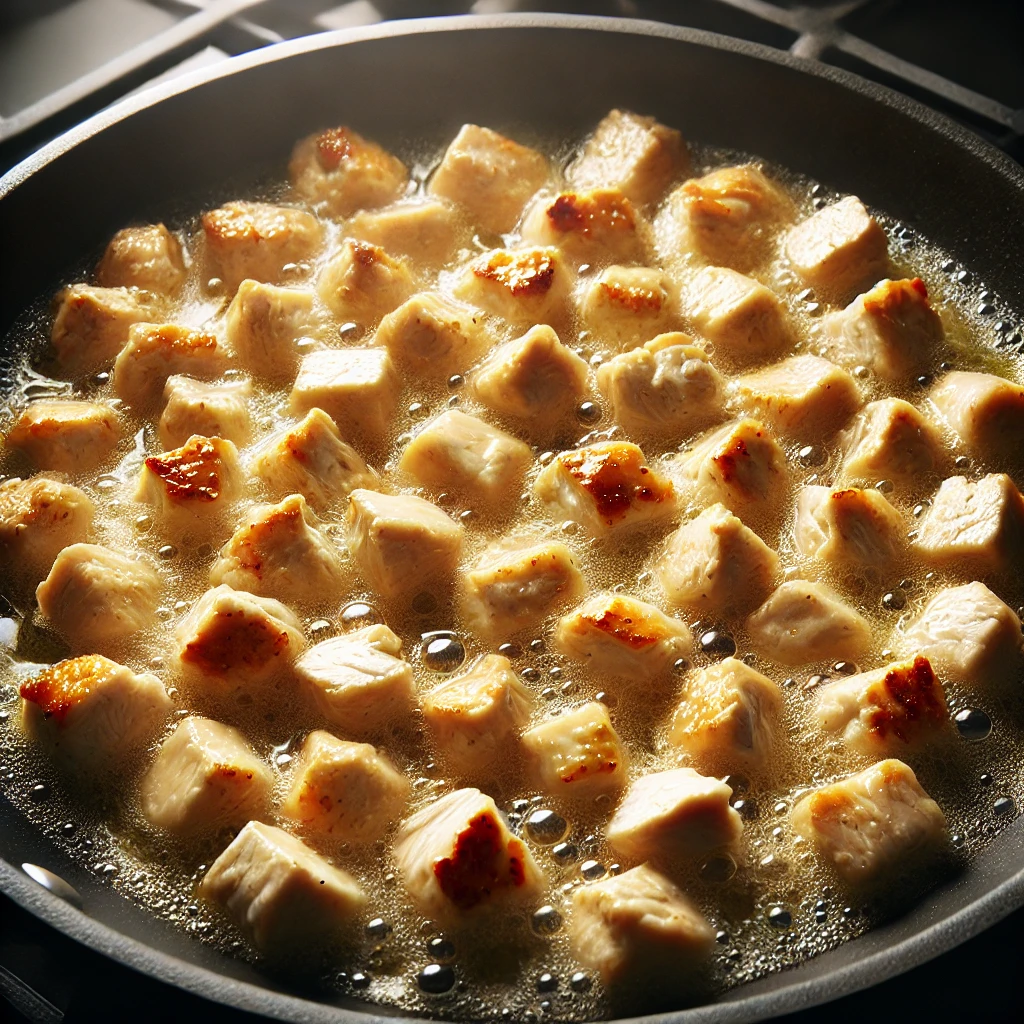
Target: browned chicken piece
column 361, row 283
column 345, row 172
column 428, row 233
column 848, row 526
column 522, row 286
column 210, row 410
column 489, row 176
column 66, row 436
column 263, row 325
column 146, row 257
column 626, row 306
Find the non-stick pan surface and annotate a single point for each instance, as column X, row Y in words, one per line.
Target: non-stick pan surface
column 209, row 136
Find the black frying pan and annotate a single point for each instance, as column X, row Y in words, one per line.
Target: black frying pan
column 207, row 136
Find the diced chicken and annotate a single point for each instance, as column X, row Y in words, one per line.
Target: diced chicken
column 362, row 283
column 716, row 564
column 727, row 719
column 838, row 248
column 281, row 893
column 205, row 776
column 279, row 551
column 872, row 826
column 345, row 172
column 457, row 856
column 476, row 718
column 891, row 329
column 633, row 153
column 157, row 351
column 887, row 710
column 258, row 240
column 402, row 544
column 666, row 387
column 804, row 622
column 357, row 387
column 98, row 598
column 977, row 525
column 579, row 753
column 622, row 636
column 93, row 713
column 517, row 583
column 490, row 176
column 231, row 639
column 745, row 320
column 346, row 790
column 604, row 487
column 671, row 814
column 969, row 635
column 426, row 232
column 146, row 257
column 358, row 680
column 523, row 286
column 848, row 526
column 92, row 325
column 311, row 459
column 69, row 437
column 463, row 454
column 626, row 306
column 263, row 324
column 210, row 410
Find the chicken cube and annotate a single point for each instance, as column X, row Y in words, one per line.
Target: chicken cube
column 146, row 257
column 402, row 544
column 344, row 172
column 671, row 814
column 427, row 233
column 98, row 598
column 263, row 324
column 204, row 777
column 804, row 621
column 848, row 526
column 358, row 680
column 281, row 893
column 210, row 410
column 93, row 714
column 838, row 248
column 874, row 825
column 715, row 564
column 346, row 790
column 490, row 176
column 362, row 283
column 523, row 286
column 626, row 306
column 579, row 753
column 68, row 437
column 635, row 154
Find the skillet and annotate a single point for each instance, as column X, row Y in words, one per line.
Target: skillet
column 216, row 133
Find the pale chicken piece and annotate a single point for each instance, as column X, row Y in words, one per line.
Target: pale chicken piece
column 476, row 718
column 666, row 387
column 263, row 324
column 92, row 325
column 969, row 635
column 604, row 487
column 357, row 387
column 427, row 233
column 348, row 791
column 204, row 777
column 457, row 858
column 69, row 437
column 579, row 753
column 887, row 710
column 281, row 893
column 848, row 526
column 358, row 680
column 626, row 306
column 977, row 525
column 873, row 826
column 633, row 153
column 891, row 329
column 146, row 257
column 258, row 240
column 93, row 714
column 672, row 814
column 715, row 564
column 346, row 172
column 804, row 621
column 280, row 551
column 745, row 320
column 230, row 639
column 522, row 286
column 623, row 636
column 402, row 544
column 311, row 459
column 838, row 248
column 516, row 583
column 362, row 283
column 210, row 410
column 155, row 352
column 461, row 453
column 97, row 598
column 490, row 176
